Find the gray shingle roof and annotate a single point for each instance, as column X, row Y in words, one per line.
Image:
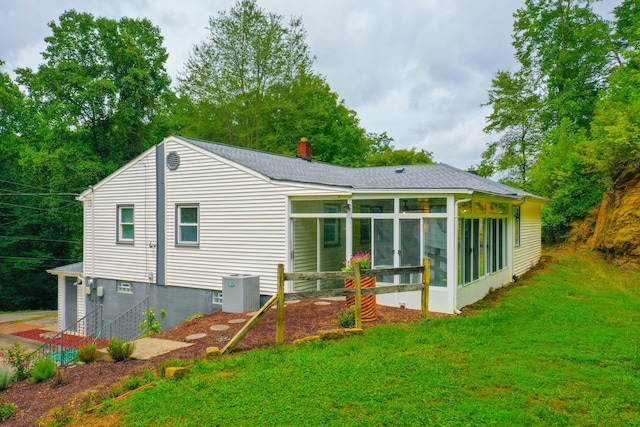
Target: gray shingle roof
column 76, row 268
column 416, row 177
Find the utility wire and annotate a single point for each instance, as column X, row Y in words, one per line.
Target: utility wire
column 40, row 240
column 39, row 258
column 40, row 209
column 28, row 218
column 38, row 194
column 25, row 185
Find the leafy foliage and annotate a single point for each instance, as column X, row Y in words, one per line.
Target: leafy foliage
column 88, row 353
column 151, row 324
column 6, row 376
column 569, row 113
column 42, row 370
column 120, row 350
column 251, row 84
column 7, row 410
column 100, row 97
column 347, row 317
column 105, row 78
column 19, row 359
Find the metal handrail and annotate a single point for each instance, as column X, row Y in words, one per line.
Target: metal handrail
column 63, row 347
column 127, row 326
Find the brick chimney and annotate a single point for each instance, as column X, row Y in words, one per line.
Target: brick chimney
column 304, row 149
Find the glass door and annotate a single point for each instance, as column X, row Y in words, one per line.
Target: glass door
column 410, row 248
column 383, row 252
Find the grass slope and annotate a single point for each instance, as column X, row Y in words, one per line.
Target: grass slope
column 559, row 348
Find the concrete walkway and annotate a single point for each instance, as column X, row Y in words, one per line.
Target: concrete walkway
column 146, row 348
column 16, row 322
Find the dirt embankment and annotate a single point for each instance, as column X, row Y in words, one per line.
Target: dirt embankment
column 617, row 226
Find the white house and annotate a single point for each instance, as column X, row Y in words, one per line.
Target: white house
column 175, row 220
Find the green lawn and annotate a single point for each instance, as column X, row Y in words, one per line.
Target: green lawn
column 559, row 348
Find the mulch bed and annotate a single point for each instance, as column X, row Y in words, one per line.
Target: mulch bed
column 43, row 335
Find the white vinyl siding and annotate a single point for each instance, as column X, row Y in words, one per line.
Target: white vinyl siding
column 132, row 185
column 243, row 220
column 528, row 253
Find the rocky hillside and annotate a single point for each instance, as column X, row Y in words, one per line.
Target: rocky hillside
column 617, row 226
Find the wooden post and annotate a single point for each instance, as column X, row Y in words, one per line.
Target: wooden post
column 280, row 307
column 356, row 268
column 250, row 324
column 426, row 280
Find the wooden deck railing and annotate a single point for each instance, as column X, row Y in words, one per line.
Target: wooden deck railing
column 280, row 297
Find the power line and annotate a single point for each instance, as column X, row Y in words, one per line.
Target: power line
column 40, row 240
column 28, row 218
column 38, row 194
column 39, row 258
column 40, row 209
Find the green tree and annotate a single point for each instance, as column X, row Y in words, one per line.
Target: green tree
column 99, row 99
column 247, row 54
column 383, row 153
column 544, row 110
column 251, row 84
column 515, row 107
column 616, row 126
column 104, row 81
column 564, row 49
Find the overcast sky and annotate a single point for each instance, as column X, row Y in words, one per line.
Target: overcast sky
column 416, row 69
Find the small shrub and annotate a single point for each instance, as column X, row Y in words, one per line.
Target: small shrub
column 7, row 410
column 194, row 316
column 155, row 326
column 347, row 317
column 6, row 376
column 17, row 357
column 88, row 353
column 43, row 370
column 131, row 383
column 60, row 417
column 120, row 350
column 92, row 398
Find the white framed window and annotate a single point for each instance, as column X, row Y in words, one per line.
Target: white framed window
column 124, row 287
column 481, row 245
column 187, row 225
column 126, row 227
column 217, row 297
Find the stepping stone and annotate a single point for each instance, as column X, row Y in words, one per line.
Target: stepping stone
column 194, row 337
column 219, row 327
column 293, row 301
column 237, row 320
column 252, row 313
column 322, row 303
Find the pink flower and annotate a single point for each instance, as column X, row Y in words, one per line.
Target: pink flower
column 362, row 258
column 24, row 363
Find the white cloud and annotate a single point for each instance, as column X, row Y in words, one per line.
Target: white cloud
column 417, row 69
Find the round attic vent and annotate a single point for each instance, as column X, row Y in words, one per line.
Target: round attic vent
column 173, row 160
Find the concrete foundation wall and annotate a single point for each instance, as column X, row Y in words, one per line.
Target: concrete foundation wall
column 179, row 303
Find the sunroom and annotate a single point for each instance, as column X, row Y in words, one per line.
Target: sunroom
column 465, row 237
